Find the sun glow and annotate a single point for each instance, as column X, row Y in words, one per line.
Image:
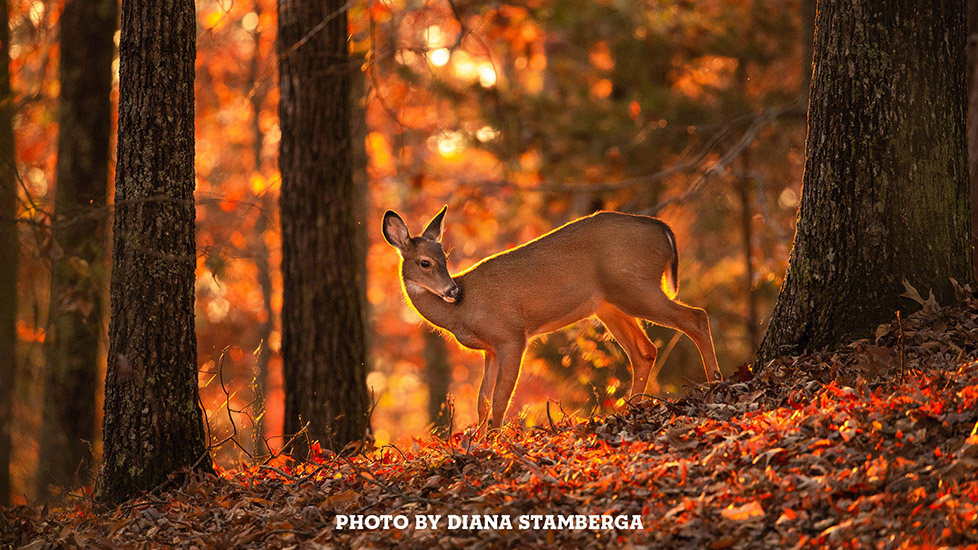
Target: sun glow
column 439, row 57
column 487, row 76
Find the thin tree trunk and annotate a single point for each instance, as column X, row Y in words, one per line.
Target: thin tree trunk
column 8, row 258
column 260, row 382
column 78, row 278
column 323, row 340
column 885, row 194
column 153, row 423
column 746, row 214
column 438, row 373
column 753, row 324
column 262, row 263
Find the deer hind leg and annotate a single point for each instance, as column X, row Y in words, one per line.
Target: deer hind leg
column 640, row 350
column 508, row 372
column 488, row 383
column 692, row 321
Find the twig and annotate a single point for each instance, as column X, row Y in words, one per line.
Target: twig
column 900, row 325
column 359, row 472
column 665, row 402
column 319, row 26
column 227, row 404
column 286, row 446
column 747, row 139
column 553, row 429
column 321, row 467
column 284, row 531
column 280, row 472
column 661, row 359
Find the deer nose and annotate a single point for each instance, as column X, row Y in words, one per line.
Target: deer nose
column 453, row 292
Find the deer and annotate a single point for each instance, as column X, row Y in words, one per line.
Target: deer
column 615, row 266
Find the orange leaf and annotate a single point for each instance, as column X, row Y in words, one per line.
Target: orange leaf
column 750, row 510
column 341, row 500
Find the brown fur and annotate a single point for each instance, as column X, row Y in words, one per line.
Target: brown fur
column 609, row 264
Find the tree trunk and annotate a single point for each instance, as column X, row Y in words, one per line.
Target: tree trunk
column 361, row 185
column 261, row 252
column 152, row 424
column 260, row 381
column 752, row 321
column 807, row 41
column 8, row 258
column 438, row 373
column 78, row 278
column 973, row 125
column 885, row 194
column 323, row 348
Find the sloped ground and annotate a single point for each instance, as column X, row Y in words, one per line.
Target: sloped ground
column 873, row 446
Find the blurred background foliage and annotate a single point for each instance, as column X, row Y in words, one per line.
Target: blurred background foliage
column 520, row 117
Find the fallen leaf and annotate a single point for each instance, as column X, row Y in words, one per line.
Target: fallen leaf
column 747, row 511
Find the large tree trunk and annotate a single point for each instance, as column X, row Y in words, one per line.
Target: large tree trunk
column 807, row 41
column 973, row 125
column 885, row 194
column 153, row 423
column 78, row 278
column 323, row 346
column 8, row 257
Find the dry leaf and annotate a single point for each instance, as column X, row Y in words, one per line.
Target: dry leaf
column 751, row 510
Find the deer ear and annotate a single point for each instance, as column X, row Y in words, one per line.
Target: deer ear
column 395, row 230
column 434, row 229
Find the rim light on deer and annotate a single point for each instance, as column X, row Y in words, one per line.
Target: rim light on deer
column 617, row 267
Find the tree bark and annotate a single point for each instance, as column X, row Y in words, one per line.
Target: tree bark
column 438, row 373
column 323, row 347
column 78, row 278
column 752, row 321
column 973, row 125
column 807, row 42
column 152, row 424
column 261, row 252
column 8, row 257
column 885, row 194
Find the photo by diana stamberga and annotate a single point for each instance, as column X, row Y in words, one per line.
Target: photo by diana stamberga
column 545, row 522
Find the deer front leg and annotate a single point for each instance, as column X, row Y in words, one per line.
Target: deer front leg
column 488, row 383
column 510, row 357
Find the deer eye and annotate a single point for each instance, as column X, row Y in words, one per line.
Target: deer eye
column 425, row 264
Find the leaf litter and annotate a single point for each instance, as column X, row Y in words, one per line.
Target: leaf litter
column 874, row 445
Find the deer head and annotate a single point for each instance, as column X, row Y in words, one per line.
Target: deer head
column 424, row 264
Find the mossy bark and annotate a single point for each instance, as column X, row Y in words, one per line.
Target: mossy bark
column 8, row 257
column 78, row 274
column 153, row 423
column 885, row 194
column 323, row 340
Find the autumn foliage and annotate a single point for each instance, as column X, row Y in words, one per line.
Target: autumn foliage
column 872, row 446
column 521, row 117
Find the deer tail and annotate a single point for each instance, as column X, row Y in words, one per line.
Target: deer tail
column 670, row 278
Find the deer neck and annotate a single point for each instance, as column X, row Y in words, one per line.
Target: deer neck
column 433, row 308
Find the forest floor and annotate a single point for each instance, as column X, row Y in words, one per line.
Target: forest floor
column 871, row 446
